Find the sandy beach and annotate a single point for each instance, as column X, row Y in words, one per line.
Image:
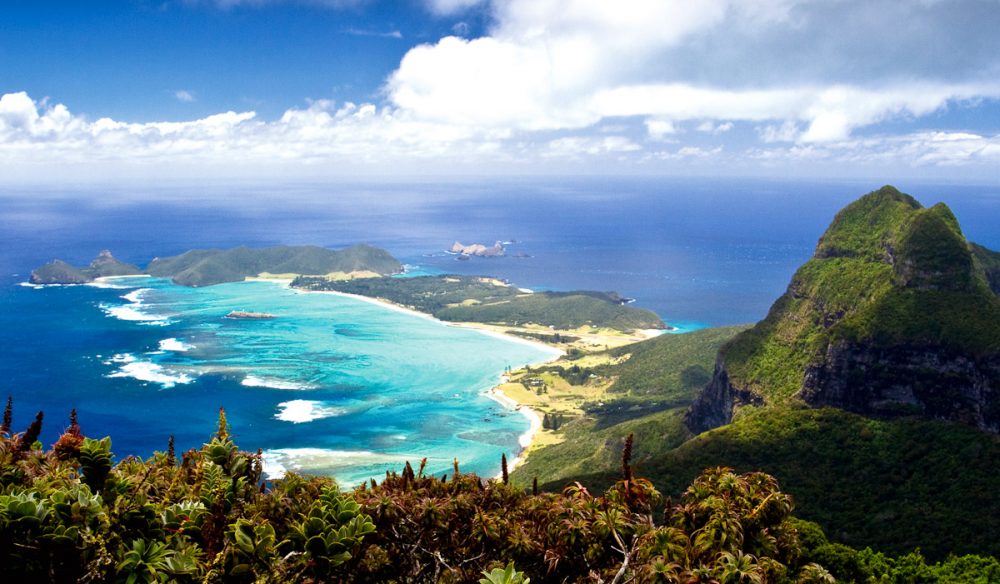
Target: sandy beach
column 524, row 440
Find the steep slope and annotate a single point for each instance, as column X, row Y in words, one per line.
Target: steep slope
column 105, row 265
column 894, row 315
column 60, row 272
column 651, row 391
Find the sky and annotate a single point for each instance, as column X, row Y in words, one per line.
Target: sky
column 326, row 89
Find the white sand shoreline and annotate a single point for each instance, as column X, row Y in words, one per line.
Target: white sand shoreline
column 528, row 437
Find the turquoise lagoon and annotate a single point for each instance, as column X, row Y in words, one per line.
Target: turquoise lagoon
column 332, row 385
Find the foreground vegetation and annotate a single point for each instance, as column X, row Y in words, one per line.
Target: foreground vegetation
column 487, row 300
column 68, row 514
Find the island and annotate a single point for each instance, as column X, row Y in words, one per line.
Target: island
column 206, row 267
column 478, row 249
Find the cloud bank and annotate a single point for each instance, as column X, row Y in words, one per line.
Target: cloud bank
column 649, row 85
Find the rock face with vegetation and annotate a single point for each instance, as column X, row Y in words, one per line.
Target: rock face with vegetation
column 60, row 272
column 205, row 267
column 896, row 314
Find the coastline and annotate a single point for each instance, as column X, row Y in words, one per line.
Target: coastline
column 526, row 439
column 485, row 329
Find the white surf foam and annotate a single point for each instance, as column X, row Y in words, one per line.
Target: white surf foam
column 133, row 311
column 38, row 286
column 130, row 312
column 175, row 345
column 135, row 296
column 147, row 371
column 299, row 411
column 273, row 383
column 279, row 461
column 108, row 285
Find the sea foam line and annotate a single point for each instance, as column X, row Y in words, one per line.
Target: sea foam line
column 273, row 383
column 299, row 411
column 147, row 371
column 175, row 345
column 132, row 312
column 279, row 461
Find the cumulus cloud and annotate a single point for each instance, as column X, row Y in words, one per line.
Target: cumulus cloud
column 567, row 64
column 184, row 96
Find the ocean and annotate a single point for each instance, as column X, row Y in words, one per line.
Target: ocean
column 341, row 386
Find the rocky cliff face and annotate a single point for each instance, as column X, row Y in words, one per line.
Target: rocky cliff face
column 929, row 381
column 105, row 265
column 893, row 316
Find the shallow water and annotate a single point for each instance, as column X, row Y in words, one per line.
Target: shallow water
column 331, row 385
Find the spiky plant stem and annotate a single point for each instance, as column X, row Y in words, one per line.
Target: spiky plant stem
column 627, row 459
column 8, row 416
column 31, row 434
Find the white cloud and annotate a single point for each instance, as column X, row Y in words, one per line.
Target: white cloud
column 392, row 34
column 659, row 129
column 710, row 127
column 788, row 131
column 568, row 64
column 452, row 6
column 577, row 146
column 571, row 80
column 184, row 96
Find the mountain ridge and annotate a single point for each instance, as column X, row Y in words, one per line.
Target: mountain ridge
column 894, row 315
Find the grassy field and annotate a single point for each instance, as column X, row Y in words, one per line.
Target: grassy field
column 642, row 388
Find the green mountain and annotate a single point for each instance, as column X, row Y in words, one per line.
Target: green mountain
column 895, row 323
column 204, row 267
column 894, row 315
column 60, row 272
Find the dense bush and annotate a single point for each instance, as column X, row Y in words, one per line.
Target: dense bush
column 69, row 514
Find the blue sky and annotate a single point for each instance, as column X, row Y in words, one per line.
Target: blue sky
column 369, row 88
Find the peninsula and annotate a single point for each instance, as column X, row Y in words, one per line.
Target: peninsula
column 581, row 320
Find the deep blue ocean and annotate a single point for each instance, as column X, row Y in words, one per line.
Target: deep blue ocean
column 342, row 386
